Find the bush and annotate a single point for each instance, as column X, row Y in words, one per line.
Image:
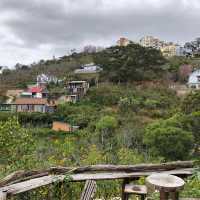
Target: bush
column 168, row 141
column 16, row 143
column 191, row 103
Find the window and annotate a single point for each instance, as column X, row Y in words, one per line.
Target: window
column 198, row 78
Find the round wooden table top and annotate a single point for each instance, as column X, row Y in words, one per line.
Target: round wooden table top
column 165, row 181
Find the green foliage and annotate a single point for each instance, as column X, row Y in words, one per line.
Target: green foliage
column 16, row 143
column 105, row 94
column 2, row 99
column 192, row 187
column 105, row 128
column 119, row 124
column 191, row 103
column 168, row 141
column 129, row 157
column 106, row 123
column 175, row 62
column 131, row 63
column 77, row 114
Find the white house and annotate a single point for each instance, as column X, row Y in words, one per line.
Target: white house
column 194, row 80
column 2, row 69
column 88, row 69
column 44, row 79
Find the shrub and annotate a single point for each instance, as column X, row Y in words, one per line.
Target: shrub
column 170, row 142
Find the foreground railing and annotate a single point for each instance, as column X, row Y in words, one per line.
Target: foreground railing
column 23, row 181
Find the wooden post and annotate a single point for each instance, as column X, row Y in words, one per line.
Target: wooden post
column 175, row 196
column 124, row 195
column 3, row 195
column 163, row 195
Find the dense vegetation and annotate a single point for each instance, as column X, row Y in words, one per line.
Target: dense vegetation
column 123, row 123
column 131, row 63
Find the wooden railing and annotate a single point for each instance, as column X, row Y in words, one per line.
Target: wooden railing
column 23, row 181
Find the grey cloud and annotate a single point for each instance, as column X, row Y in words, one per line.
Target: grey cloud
column 75, row 22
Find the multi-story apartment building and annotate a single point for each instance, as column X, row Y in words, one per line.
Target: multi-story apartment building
column 150, row 41
column 123, row 42
column 169, row 50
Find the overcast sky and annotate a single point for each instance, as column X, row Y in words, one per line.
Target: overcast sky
column 31, row 30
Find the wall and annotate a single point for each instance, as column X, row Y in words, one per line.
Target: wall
column 60, row 126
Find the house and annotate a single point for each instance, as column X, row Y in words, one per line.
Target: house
column 88, row 69
column 35, row 92
column 32, row 105
column 5, row 107
column 123, row 42
column 194, row 80
column 2, row 69
column 77, row 89
column 43, row 79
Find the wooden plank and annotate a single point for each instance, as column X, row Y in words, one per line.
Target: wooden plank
column 135, row 189
column 3, row 195
column 46, row 180
column 20, row 176
column 134, row 168
column 89, row 190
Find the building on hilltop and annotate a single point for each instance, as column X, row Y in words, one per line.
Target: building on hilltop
column 35, row 92
column 192, row 48
column 2, row 68
column 44, row 79
column 77, row 89
column 150, row 41
column 32, row 105
column 123, row 42
column 168, row 49
column 29, row 105
column 90, row 68
column 194, row 80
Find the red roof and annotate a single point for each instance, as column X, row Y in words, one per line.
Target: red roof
column 35, row 89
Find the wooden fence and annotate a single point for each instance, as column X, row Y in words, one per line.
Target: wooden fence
column 23, row 181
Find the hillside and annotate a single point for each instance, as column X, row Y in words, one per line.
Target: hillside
column 116, row 62
column 61, row 67
column 131, row 117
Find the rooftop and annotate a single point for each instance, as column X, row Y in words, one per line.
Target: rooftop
column 77, row 82
column 35, row 89
column 30, row 101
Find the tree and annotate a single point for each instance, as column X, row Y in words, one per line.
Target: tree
column 184, row 72
column 191, row 103
column 131, row 63
column 170, row 142
column 15, row 142
column 105, row 127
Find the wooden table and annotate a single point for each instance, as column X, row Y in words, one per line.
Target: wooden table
column 166, row 184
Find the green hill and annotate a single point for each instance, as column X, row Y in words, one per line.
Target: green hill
column 119, row 63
